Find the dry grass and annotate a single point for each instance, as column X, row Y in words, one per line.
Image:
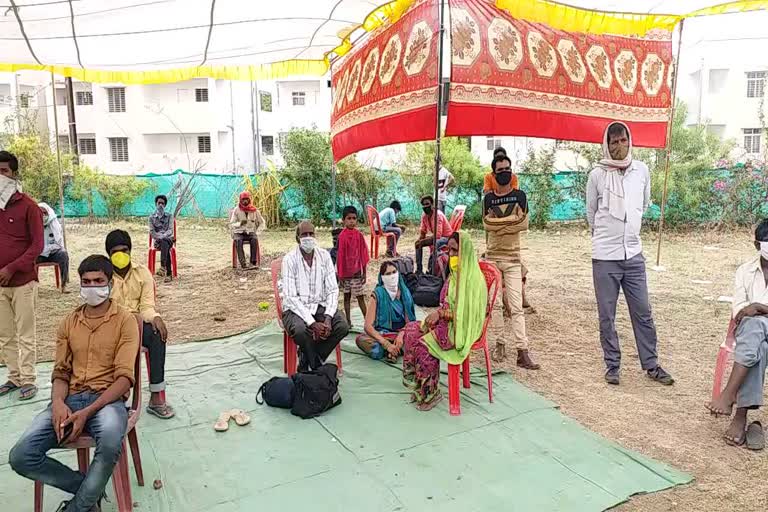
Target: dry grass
column 669, row 424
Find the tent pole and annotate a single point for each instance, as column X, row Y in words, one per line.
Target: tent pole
column 438, row 132
column 58, row 161
column 668, row 149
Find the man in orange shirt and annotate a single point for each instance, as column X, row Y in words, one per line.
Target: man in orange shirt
column 489, row 182
column 96, row 349
column 444, row 230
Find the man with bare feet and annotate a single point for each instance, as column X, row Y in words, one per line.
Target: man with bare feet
column 750, row 355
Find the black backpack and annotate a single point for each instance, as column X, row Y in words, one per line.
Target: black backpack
column 277, row 392
column 426, row 290
column 404, row 265
column 315, row 391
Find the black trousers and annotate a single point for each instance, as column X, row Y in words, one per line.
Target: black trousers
column 312, row 353
column 61, row 258
column 165, row 244
column 156, row 348
column 253, row 241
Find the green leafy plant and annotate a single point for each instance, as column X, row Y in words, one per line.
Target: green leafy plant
column 119, row 191
column 539, row 184
column 308, row 168
column 38, row 166
column 359, row 183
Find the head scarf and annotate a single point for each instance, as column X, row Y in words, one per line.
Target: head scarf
column 53, row 234
column 48, row 211
column 614, row 185
column 246, row 195
column 8, row 187
column 384, row 304
column 467, row 298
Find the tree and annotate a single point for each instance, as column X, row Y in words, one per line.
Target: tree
column 418, row 169
column 542, row 191
column 359, row 182
column 38, row 166
column 119, row 191
column 308, row 168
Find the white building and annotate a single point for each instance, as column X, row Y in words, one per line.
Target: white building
column 724, row 79
column 22, row 100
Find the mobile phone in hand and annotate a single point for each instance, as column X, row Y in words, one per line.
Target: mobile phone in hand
column 67, row 432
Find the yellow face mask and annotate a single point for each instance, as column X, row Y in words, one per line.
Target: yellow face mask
column 453, row 262
column 120, row 259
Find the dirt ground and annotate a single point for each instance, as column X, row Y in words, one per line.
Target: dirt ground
column 669, row 424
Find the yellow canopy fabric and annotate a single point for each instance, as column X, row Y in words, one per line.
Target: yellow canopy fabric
column 621, row 17
column 156, row 41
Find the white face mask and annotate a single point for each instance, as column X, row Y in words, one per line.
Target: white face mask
column 307, row 244
column 391, row 282
column 8, row 187
column 94, row 295
column 764, row 250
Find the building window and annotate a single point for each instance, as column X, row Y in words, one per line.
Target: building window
column 118, row 149
column 492, row 143
column 203, row 143
column 752, row 140
column 267, row 145
column 24, row 100
column 116, row 97
column 64, row 143
column 201, row 95
column 756, row 84
column 299, row 98
column 265, row 101
column 84, row 98
column 717, row 80
column 87, row 146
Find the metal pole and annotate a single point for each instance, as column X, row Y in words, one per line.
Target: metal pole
column 257, row 99
column 676, row 65
column 438, row 131
column 232, row 126
column 58, row 161
column 253, row 134
column 333, row 190
column 72, row 124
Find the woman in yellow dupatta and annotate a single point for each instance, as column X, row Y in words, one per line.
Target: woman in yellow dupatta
column 448, row 333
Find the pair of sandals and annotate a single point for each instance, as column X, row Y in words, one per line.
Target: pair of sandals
column 26, row 392
column 240, row 416
column 753, row 438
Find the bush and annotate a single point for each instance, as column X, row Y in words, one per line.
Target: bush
column 542, row 191
column 119, row 191
column 359, row 185
column 308, row 168
column 38, row 166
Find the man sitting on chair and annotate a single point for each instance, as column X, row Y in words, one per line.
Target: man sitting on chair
column 750, row 355
column 96, row 348
column 310, row 296
column 134, row 289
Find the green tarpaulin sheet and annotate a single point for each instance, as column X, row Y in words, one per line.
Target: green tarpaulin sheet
column 375, row 452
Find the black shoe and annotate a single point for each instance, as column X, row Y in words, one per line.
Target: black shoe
column 62, row 506
column 612, row 376
column 659, row 375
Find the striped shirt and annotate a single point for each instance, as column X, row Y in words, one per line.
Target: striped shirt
column 304, row 288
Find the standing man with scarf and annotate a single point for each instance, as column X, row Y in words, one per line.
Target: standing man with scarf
column 618, row 193
column 21, row 242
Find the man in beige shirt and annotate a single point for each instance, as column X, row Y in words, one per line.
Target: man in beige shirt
column 134, row 289
column 96, row 349
column 750, row 355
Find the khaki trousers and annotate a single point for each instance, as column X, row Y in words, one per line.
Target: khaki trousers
column 512, row 304
column 18, row 343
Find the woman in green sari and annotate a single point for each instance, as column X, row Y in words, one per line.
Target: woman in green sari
column 448, row 333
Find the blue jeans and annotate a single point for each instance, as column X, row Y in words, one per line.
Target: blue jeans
column 392, row 247
column 420, row 255
column 107, row 427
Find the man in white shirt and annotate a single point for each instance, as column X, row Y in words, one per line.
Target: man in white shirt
column 618, row 193
column 750, row 355
column 444, row 180
column 310, row 297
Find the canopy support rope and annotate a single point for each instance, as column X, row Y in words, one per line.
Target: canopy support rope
column 74, row 36
column 23, row 32
column 210, row 31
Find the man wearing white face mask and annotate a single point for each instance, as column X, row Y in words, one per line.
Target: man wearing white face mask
column 310, row 297
column 21, row 242
column 618, row 193
column 96, row 348
column 750, row 354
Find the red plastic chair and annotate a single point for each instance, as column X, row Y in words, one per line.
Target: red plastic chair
column 144, row 349
column 374, row 223
column 121, row 480
column 457, row 217
column 56, row 271
column 152, row 254
column 290, row 349
column 493, row 282
column 723, row 354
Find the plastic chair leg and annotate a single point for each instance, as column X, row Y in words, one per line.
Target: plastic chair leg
column 83, row 459
column 465, row 373
column 174, row 267
column 290, row 355
column 338, row 359
column 133, row 442
column 454, row 401
column 38, row 496
column 151, row 261
column 489, row 373
column 722, row 362
column 57, row 275
column 121, row 484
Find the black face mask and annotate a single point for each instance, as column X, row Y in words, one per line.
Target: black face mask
column 503, row 178
column 427, row 210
